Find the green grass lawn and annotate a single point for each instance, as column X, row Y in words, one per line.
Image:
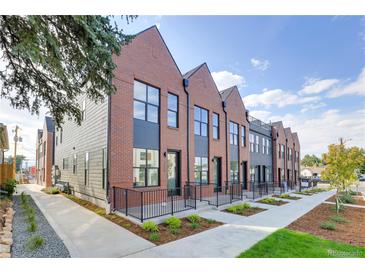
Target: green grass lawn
column 286, row 243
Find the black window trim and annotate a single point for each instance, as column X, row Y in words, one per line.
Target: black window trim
column 216, row 126
column 201, row 122
column 146, row 103
column 146, row 168
column 177, row 109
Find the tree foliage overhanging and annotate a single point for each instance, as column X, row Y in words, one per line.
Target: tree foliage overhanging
column 50, row 60
column 311, row 161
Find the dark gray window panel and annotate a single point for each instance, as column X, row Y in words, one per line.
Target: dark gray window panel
column 233, row 153
column 257, row 129
column 146, row 134
column 201, row 146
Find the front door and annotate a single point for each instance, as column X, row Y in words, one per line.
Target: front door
column 173, row 171
column 217, row 172
column 244, row 175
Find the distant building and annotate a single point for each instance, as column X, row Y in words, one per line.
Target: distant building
column 311, row 171
column 45, row 153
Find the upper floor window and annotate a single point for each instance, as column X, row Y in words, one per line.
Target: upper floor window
column 146, row 102
column 243, row 136
column 263, row 145
column 282, row 151
column 215, row 126
column 257, row 144
column 172, row 111
column 290, row 154
column 74, row 164
column 65, row 163
column 233, row 133
column 83, row 110
column 86, row 168
column 252, row 141
column 267, row 146
column 200, row 121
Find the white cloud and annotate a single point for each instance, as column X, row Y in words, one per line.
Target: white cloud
column 356, row 87
column 315, row 86
column 309, row 107
column 277, row 97
column 260, row 114
column 225, row 79
column 158, row 19
column 317, row 132
column 260, row 64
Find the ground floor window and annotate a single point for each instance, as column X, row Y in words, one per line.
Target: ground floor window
column 104, row 168
column 201, row 170
column 145, row 167
column 233, row 171
column 252, row 173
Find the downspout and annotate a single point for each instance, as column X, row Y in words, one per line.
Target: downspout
column 186, row 85
column 226, row 127
column 108, row 150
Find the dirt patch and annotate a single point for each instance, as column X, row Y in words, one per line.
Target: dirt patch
column 288, row 197
column 164, row 232
column 247, row 211
column 350, row 232
column 275, row 203
column 359, row 200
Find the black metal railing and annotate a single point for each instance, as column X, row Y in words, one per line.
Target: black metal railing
column 147, row 204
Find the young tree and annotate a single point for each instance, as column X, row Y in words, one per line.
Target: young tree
column 311, row 160
column 50, row 60
column 341, row 164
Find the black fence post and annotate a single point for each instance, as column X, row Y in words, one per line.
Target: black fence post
column 185, row 190
column 114, row 207
column 172, row 202
column 142, row 206
column 126, row 202
column 194, row 197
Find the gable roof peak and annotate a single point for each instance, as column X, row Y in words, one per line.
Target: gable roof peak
column 192, row 71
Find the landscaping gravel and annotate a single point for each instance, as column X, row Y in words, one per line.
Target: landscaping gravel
column 53, row 246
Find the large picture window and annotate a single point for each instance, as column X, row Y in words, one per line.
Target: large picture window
column 234, row 171
column 145, row 167
column 201, row 170
column 215, row 126
column 172, row 112
column 200, row 121
column 233, row 133
column 146, row 102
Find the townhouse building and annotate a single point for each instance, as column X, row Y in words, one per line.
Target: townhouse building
column 163, row 130
column 45, row 152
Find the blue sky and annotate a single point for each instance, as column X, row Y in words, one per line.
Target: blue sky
column 308, row 71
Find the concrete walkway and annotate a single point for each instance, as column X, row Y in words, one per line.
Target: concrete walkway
column 239, row 233
column 84, row 233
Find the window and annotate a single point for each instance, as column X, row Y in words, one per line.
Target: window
column 267, row 146
column 215, row 126
column 257, row 144
column 74, row 164
column 282, row 151
column 83, row 110
column 263, row 145
column 104, row 179
column 290, row 154
column 297, row 156
column 145, row 167
column 56, row 140
column 234, row 171
column 243, row 136
column 252, row 173
column 146, row 102
column 86, row 168
column 61, row 135
column 201, row 170
column 252, row 140
column 233, row 133
column 200, row 121
column 172, row 112
column 65, row 163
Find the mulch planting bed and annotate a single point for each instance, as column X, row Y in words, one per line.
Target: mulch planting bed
column 359, row 200
column 164, row 232
column 350, row 232
column 248, row 211
column 276, row 203
column 289, row 198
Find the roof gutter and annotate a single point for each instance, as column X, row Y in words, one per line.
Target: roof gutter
column 186, row 86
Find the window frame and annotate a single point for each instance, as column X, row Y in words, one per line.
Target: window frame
column 145, row 167
column 215, row 127
column 201, row 122
column 171, row 110
column 233, row 135
column 199, row 169
column 86, row 168
column 243, row 136
column 257, row 144
column 146, row 103
column 74, row 164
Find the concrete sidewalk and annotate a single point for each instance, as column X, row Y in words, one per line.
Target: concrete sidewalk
column 84, row 233
column 238, row 234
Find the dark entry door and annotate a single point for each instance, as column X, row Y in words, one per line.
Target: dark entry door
column 244, row 175
column 173, row 171
column 217, row 175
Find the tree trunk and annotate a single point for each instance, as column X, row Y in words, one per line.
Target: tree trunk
column 337, row 202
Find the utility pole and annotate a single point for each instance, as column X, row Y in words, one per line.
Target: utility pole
column 14, row 157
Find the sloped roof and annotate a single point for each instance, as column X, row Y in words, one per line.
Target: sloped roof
column 288, row 133
column 188, row 74
column 226, row 92
column 49, row 124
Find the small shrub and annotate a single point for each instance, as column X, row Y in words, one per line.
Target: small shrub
column 328, row 225
column 150, row 226
column 270, row 201
column 338, row 219
column 285, row 196
column 173, row 222
column 211, row 221
column 346, row 198
column 194, row 218
column 238, row 208
column 32, row 227
column 51, row 190
column 23, row 198
column 194, row 225
column 154, row 236
column 34, row 243
column 352, row 192
column 9, row 186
